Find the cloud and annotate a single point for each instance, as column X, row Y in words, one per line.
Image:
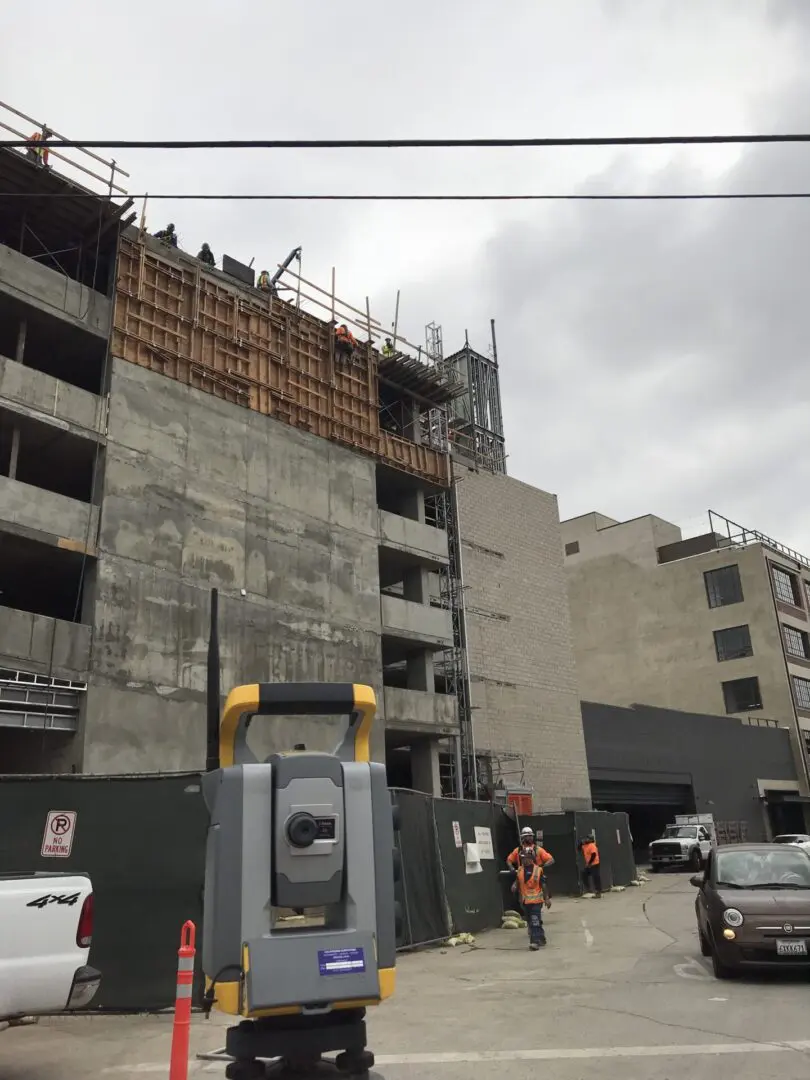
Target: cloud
column 652, row 356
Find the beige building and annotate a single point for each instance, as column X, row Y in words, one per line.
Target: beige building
column 714, row 624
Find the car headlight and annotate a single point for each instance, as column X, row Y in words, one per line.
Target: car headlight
column 732, row 917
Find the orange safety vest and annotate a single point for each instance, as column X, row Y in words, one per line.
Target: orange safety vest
column 589, row 849
column 541, row 856
column 41, row 151
column 530, row 884
column 345, row 335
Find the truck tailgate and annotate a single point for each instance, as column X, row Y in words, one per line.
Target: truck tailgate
column 39, row 953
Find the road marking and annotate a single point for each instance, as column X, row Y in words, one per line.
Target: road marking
column 472, row 1057
column 588, row 934
column 718, row 999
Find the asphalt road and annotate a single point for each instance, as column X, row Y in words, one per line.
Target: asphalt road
column 620, row 993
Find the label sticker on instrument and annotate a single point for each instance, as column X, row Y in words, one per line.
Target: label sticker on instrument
column 341, row 961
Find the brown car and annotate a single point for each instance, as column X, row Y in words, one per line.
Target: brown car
column 753, row 907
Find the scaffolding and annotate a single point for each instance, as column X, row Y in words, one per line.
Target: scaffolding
column 476, row 424
column 442, row 511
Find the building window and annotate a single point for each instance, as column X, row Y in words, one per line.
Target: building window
column 801, row 691
column 807, row 595
column 786, row 587
column 797, row 642
column 733, row 643
column 723, row 586
column 572, row 548
column 742, row 695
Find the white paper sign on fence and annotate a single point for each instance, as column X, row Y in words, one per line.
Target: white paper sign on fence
column 483, row 838
column 457, row 833
column 472, row 859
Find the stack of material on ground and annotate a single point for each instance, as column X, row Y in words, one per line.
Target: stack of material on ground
column 513, row 921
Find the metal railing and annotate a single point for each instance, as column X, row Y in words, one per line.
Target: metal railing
column 113, row 170
column 740, row 536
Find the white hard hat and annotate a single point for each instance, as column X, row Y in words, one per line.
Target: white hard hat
column 527, row 832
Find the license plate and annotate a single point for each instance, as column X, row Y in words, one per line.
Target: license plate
column 791, row 948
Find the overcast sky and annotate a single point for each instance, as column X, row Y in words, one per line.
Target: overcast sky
column 653, row 355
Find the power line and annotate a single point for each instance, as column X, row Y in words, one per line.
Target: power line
column 403, row 144
column 527, row 197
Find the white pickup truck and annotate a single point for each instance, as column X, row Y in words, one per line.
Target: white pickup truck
column 686, row 843
column 46, row 927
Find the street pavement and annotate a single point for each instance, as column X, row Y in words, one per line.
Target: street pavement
column 620, row 993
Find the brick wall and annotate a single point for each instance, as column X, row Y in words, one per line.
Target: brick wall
column 520, row 650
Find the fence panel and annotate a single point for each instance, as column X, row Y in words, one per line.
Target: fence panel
column 420, row 890
column 475, row 899
column 142, row 841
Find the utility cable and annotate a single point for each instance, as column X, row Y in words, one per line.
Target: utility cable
column 719, row 196
column 404, row 144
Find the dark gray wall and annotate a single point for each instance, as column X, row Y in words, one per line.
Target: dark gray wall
column 721, row 757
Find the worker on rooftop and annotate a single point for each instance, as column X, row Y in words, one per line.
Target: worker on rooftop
column 345, row 342
column 206, row 255
column 264, row 283
column 388, row 347
column 39, row 154
column 167, row 235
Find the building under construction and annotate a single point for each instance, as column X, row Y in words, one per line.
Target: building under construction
column 167, row 427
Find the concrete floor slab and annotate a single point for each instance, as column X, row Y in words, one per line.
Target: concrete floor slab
column 621, row 991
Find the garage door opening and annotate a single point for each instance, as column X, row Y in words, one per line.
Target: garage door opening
column 650, row 807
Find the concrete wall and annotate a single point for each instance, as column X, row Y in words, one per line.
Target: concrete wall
column 49, row 291
column 724, row 758
column 523, row 679
column 45, row 511
column 43, row 397
column 38, row 644
column 199, row 492
column 598, row 536
column 643, row 632
column 405, row 534
column 417, row 710
column 416, row 621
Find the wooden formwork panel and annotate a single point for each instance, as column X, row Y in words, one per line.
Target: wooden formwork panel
column 260, row 352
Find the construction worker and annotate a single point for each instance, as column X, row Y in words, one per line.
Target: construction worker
column 167, row 235
column 39, row 154
column 591, row 874
column 529, row 860
column 206, row 255
column 388, row 347
column 264, row 283
column 344, row 343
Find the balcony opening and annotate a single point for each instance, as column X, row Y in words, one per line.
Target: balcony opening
column 48, row 344
column 44, row 580
column 47, row 457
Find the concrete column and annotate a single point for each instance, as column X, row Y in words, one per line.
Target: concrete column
column 425, row 767
column 412, row 430
column 413, row 506
column 19, row 354
column 419, row 669
column 416, row 585
column 15, row 453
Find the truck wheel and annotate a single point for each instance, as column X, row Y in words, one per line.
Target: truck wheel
column 695, row 860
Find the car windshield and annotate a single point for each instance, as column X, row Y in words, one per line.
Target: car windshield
column 783, row 869
column 687, row 832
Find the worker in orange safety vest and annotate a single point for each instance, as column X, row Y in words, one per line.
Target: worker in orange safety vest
column 40, row 153
column 591, row 873
column 344, row 343
column 530, row 861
